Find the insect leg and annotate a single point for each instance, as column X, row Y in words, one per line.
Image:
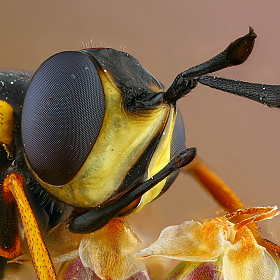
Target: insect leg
column 220, row 191
column 10, row 246
column 39, row 253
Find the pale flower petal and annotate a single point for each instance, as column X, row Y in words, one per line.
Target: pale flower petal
column 109, row 251
column 247, row 260
column 190, row 241
column 229, row 251
column 62, row 245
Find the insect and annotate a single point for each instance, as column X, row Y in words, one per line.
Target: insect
column 96, row 131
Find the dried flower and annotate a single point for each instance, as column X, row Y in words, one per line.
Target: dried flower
column 108, row 253
column 217, row 249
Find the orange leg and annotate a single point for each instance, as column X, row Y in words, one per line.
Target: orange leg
column 9, row 249
column 39, row 253
column 221, row 192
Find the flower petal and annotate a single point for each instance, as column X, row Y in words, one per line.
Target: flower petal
column 190, row 241
column 247, row 260
column 61, row 243
column 109, row 251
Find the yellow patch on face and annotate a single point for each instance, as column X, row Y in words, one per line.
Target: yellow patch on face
column 123, row 138
column 155, row 87
column 159, row 160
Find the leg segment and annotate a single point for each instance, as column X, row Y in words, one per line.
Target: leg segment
column 39, row 253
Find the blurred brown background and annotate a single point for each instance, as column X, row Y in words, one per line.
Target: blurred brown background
column 237, row 137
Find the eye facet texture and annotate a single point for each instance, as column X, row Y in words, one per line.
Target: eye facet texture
column 178, row 136
column 62, row 116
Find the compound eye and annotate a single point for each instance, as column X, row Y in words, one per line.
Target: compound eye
column 178, row 141
column 62, row 116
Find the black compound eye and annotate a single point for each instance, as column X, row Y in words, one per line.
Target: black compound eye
column 178, row 141
column 178, row 145
column 62, row 116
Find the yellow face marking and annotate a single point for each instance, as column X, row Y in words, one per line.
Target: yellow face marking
column 122, row 139
column 159, row 160
column 155, row 87
column 6, row 126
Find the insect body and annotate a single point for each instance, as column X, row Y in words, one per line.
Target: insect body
column 99, row 132
column 13, row 87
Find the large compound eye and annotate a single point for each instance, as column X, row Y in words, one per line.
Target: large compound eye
column 62, row 115
column 178, row 145
column 178, row 141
